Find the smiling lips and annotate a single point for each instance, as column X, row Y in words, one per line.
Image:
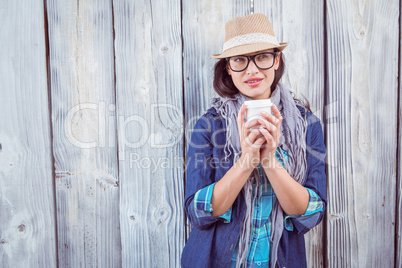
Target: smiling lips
column 253, row 82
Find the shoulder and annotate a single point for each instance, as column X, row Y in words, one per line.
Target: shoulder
column 314, row 135
column 312, row 120
column 204, row 120
column 212, row 112
column 209, row 120
column 210, row 126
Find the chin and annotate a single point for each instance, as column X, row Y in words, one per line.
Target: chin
column 256, row 94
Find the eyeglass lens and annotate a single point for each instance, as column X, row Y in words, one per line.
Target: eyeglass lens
column 263, row 61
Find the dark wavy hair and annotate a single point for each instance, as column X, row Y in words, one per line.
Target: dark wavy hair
column 223, row 83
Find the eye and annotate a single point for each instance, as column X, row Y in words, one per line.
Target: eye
column 239, row 59
column 263, row 56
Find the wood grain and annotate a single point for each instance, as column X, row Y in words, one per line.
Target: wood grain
column 398, row 244
column 119, row 201
column 85, row 153
column 301, row 25
column 148, row 49
column 203, row 35
column 27, row 223
column 362, row 83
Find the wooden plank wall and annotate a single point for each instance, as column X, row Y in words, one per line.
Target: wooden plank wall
column 81, row 74
column 149, row 103
column 362, row 61
column 93, row 126
column 398, row 229
column 27, row 207
column 301, row 24
column 203, row 21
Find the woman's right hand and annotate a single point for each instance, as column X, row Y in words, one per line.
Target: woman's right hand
column 229, row 186
column 250, row 141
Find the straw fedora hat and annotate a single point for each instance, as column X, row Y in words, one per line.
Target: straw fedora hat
column 248, row 34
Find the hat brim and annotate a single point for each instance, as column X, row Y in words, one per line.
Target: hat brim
column 246, row 49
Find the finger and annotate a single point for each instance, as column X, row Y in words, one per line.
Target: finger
column 273, row 131
column 268, row 125
column 259, row 142
column 240, row 120
column 256, row 140
column 277, row 113
column 251, row 138
column 267, row 135
column 270, row 117
column 251, row 123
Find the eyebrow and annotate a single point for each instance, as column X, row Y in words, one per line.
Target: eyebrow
column 259, row 52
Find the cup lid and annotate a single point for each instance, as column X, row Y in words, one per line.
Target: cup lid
column 258, row 103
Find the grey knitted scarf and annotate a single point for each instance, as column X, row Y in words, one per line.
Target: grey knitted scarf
column 293, row 140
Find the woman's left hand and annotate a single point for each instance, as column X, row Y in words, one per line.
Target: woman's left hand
column 272, row 134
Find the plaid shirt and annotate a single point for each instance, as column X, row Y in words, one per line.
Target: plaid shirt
column 258, row 251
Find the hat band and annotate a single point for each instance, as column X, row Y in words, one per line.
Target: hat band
column 251, row 38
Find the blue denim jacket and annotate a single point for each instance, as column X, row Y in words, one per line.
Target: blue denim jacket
column 211, row 242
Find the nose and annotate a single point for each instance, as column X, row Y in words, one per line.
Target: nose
column 252, row 68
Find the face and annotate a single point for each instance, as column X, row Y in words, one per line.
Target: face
column 253, row 82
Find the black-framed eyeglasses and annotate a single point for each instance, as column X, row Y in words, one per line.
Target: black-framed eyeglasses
column 263, row 61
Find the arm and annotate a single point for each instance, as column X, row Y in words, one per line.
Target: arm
column 201, row 177
column 227, row 189
column 310, row 218
column 201, row 170
column 292, row 196
column 315, row 180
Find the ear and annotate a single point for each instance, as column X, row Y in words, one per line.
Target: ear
column 277, row 60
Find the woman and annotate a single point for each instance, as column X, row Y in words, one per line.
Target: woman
column 253, row 192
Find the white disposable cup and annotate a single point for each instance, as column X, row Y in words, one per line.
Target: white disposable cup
column 255, row 107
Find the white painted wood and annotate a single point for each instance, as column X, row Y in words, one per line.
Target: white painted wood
column 362, row 118
column 27, row 222
column 148, row 50
column 84, row 145
column 301, row 25
column 203, row 35
column 398, row 249
column 362, row 83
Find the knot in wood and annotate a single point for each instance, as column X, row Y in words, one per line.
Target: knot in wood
column 164, row 48
column 162, row 215
column 21, row 228
column 144, row 90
